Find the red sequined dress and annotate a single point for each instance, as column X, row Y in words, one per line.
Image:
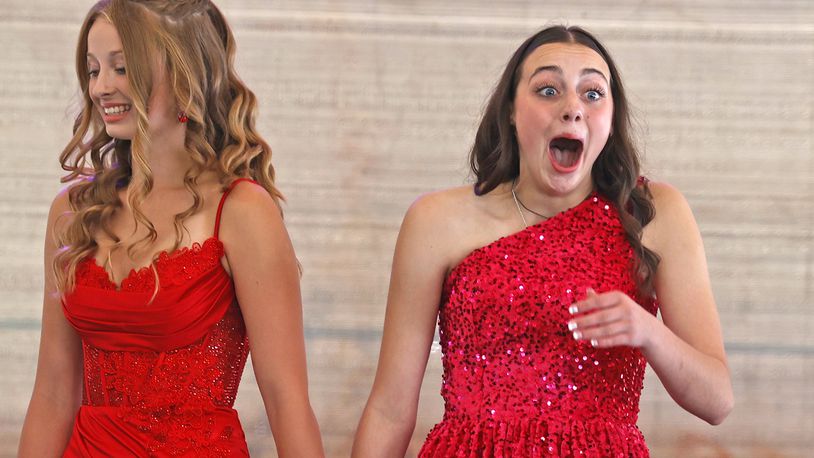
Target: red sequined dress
column 160, row 376
column 516, row 383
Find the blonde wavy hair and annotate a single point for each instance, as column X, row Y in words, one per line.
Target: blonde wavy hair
column 193, row 42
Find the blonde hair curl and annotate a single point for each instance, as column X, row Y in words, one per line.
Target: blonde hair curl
column 195, row 46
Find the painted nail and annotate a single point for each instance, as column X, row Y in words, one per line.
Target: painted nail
column 572, row 325
column 573, row 309
column 594, row 342
column 577, row 335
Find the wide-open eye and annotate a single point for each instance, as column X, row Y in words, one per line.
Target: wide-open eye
column 594, row 94
column 547, row 91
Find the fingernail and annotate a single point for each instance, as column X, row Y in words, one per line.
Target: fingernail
column 572, row 325
column 577, row 335
column 590, row 290
column 573, row 309
column 594, row 342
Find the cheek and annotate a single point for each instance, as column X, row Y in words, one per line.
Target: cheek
column 529, row 125
column 601, row 120
column 525, row 135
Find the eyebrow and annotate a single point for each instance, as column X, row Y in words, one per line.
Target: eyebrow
column 558, row 70
column 112, row 54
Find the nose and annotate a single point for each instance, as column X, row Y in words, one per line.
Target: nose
column 101, row 85
column 572, row 109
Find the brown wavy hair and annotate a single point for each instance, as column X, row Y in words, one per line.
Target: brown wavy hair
column 193, row 42
column 494, row 157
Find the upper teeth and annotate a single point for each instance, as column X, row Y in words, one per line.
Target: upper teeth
column 117, row 109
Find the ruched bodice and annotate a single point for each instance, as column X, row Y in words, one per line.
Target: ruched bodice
column 194, row 293
column 162, row 364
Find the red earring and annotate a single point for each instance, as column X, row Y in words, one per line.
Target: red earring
column 182, row 117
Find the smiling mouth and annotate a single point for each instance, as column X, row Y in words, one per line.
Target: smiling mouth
column 116, row 109
column 565, row 153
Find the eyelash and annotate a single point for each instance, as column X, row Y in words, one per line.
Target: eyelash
column 545, row 86
column 596, row 89
column 95, row 73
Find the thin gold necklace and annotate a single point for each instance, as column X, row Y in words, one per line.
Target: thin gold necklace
column 519, row 203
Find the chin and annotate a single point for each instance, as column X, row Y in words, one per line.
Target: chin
column 563, row 184
column 119, row 134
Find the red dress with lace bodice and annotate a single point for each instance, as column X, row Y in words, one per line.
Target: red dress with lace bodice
column 161, row 369
column 515, row 383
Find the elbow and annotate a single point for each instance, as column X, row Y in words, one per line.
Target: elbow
column 723, row 402
column 718, row 418
column 724, row 407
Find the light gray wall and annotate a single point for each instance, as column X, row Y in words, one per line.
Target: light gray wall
column 369, row 104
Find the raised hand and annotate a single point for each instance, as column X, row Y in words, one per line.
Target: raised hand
column 611, row 319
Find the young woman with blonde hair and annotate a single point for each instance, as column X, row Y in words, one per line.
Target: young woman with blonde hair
column 166, row 258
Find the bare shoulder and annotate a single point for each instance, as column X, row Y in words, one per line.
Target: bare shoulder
column 673, row 219
column 61, row 214
column 451, row 222
column 442, row 207
column 61, row 202
column 442, row 213
column 247, row 194
column 252, row 231
column 670, row 204
column 665, row 195
column 248, row 205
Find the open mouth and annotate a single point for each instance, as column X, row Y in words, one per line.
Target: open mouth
column 565, row 153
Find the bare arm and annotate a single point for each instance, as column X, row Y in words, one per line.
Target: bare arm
column 686, row 350
column 58, row 385
column 389, row 417
column 264, row 269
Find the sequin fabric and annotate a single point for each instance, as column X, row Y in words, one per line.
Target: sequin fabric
column 171, row 396
column 515, row 382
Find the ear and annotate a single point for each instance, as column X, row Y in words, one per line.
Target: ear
column 511, row 114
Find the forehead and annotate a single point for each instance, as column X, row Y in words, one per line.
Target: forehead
column 103, row 37
column 572, row 58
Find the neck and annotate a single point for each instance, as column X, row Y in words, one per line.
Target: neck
column 546, row 201
column 168, row 159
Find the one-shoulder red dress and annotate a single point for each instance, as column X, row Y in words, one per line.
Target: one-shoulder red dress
column 516, row 383
column 160, row 373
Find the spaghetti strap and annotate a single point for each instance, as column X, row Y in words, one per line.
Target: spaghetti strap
column 223, row 199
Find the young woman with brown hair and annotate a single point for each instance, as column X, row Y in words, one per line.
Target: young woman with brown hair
column 546, row 278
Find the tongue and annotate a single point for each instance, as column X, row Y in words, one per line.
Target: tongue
column 565, row 157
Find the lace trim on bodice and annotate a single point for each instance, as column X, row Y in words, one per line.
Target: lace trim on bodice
column 173, row 268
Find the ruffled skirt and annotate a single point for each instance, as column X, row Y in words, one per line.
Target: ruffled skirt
column 461, row 437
